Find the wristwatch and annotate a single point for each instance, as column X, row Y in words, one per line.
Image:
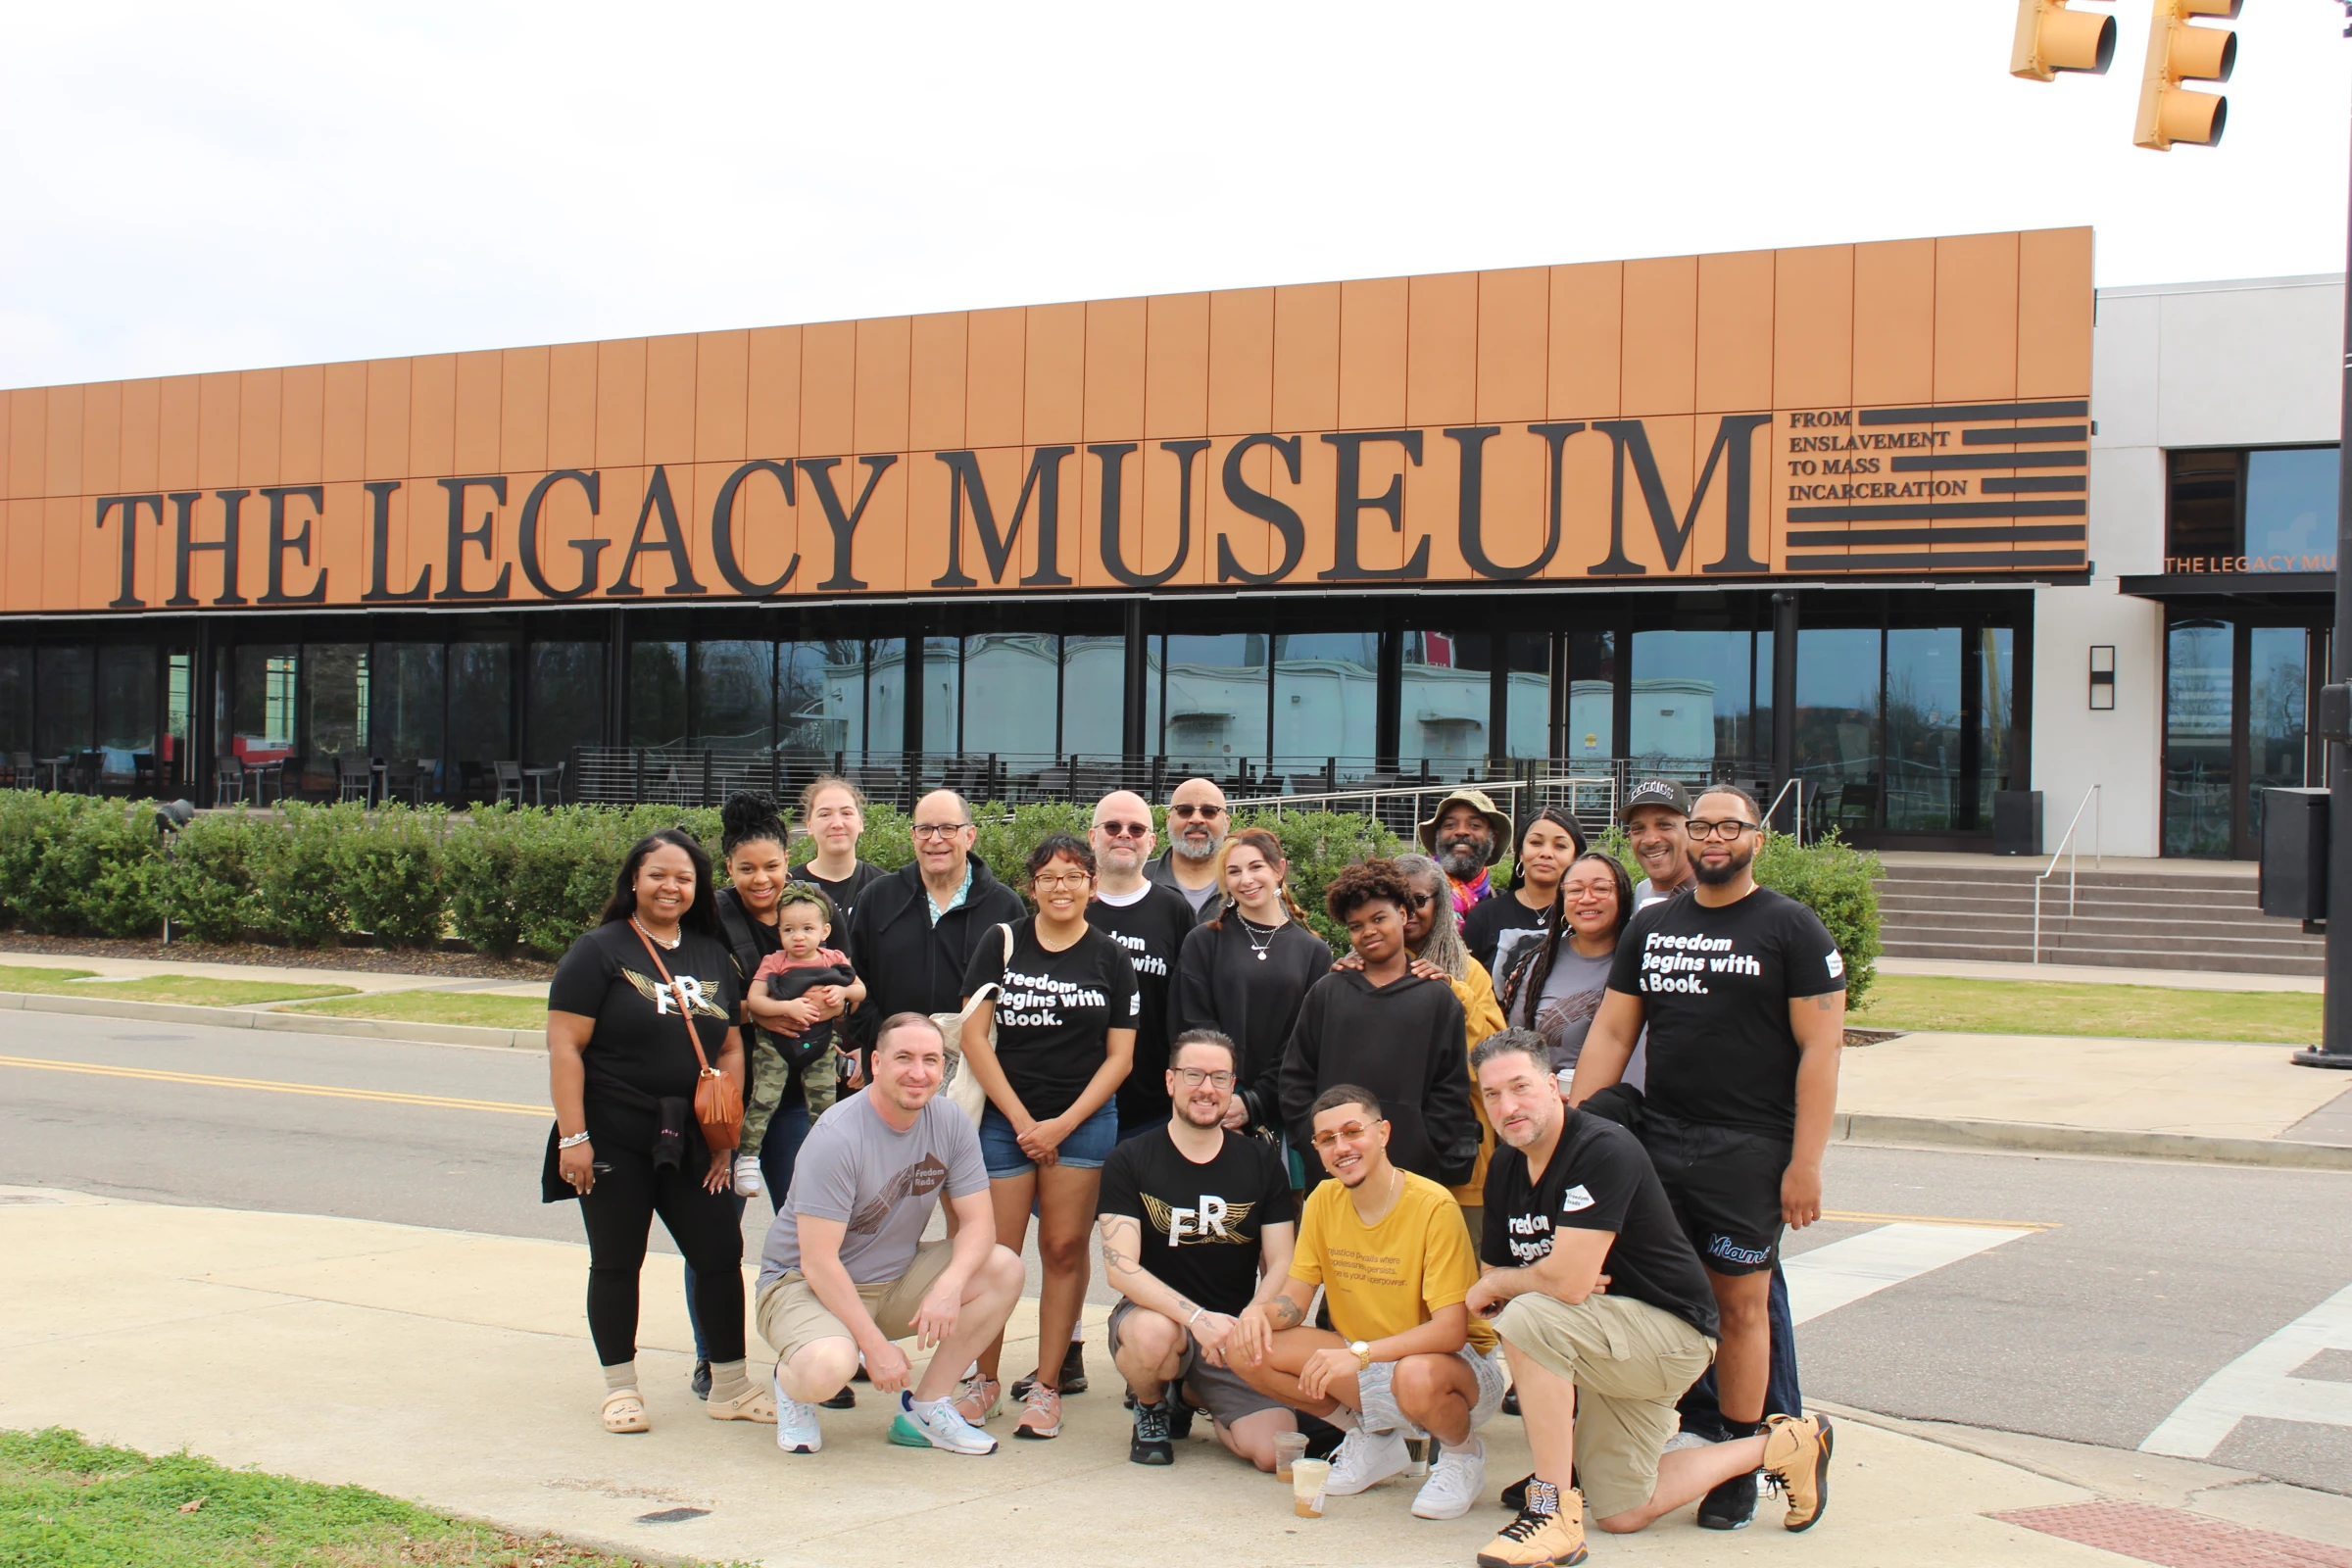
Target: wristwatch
column 1362, row 1351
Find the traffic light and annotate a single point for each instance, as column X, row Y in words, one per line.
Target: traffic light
column 2051, row 38
column 2179, row 52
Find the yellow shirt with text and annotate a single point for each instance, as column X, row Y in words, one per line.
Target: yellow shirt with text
column 1388, row 1278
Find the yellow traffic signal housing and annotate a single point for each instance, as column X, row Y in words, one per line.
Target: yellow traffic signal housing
column 2179, row 52
column 2051, row 38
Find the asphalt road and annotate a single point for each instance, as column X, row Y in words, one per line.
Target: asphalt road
column 2146, row 1280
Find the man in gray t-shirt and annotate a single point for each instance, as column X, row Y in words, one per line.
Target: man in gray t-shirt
column 845, row 1271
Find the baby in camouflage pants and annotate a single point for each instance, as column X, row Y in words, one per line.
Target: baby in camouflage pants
column 819, row 986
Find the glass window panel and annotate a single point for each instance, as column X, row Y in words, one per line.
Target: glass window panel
column 481, row 708
column 1838, row 743
column 820, row 697
column 1008, row 680
column 262, row 707
column 1327, row 702
column 1528, row 693
column 1216, row 702
column 1447, row 699
column 657, row 694
column 337, row 678
column 564, row 700
column 16, row 702
column 179, row 716
column 1693, row 696
column 2291, row 510
column 1996, row 677
column 886, row 695
column 1923, row 727
column 1591, row 696
column 2276, row 694
column 67, row 689
column 403, row 700
column 942, row 694
column 2196, row 738
column 1094, row 694
column 734, row 687
column 125, row 706
column 2201, row 513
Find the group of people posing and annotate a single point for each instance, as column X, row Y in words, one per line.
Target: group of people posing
column 1559, row 1196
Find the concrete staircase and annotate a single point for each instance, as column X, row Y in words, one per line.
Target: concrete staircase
column 2145, row 915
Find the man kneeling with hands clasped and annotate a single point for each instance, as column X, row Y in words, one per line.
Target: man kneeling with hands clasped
column 1607, row 1318
column 846, row 1270
column 1388, row 1249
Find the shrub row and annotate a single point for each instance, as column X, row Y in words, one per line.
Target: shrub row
column 506, row 878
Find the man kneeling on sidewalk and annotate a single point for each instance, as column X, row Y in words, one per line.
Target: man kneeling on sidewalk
column 1573, row 1205
column 1389, row 1249
column 846, row 1270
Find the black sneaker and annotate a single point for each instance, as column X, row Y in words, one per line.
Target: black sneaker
column 1323, row 1439
column 1514, row 1495
column 1020, row 1388
column 1180, row 1415
column 1152, row 1444
column 701, row 1380
column 1072, row 1377
column 1730, row 1505
column 860, row 1376
column 1510, row 1402
column 846, row 1400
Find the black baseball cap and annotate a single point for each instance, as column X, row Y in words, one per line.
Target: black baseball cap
column 1656, row 792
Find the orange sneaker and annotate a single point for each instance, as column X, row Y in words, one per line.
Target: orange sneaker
column 1540, row 1536
column 1040, row 1411
column 978, row 1398
column 1796, row 1455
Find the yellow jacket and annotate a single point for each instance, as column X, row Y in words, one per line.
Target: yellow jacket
column 1482, row 1016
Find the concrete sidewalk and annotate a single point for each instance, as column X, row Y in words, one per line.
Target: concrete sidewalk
column 453, row 1369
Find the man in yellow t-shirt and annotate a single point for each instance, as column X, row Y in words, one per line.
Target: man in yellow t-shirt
column 1389, row 1252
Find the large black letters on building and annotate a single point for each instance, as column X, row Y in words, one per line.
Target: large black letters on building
column 722, row 529
column 1346, row 565
column 280, row 542
column 1627, row 436
column 658, row 503
column 526, row 534
column 128, row 596
column 1113, row 455
column 379, row 553
column 820, row 473
column 187, row 546
column 460, row 536
column 1283, row 519
column 1044, row 481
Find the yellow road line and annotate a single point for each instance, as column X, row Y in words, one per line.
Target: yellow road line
column 1939, row 1219
column 324, row 1090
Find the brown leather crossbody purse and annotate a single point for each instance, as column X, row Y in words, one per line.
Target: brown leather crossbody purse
column 717, row 1103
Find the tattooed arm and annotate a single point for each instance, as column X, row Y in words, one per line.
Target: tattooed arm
column 1819, row 1024
column 1286, row 1308
column 1123, row 1266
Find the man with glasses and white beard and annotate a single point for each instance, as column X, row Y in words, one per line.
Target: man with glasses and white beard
column 1198, row 1226
column 1744, row 993
column 1196, row 826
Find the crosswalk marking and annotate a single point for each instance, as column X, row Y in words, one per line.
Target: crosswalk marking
column 2261, row 1383
column 1826, row 1278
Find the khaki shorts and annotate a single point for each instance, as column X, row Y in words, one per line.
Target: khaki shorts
column 791, row 1318
column 1219, row 1389
column 1629, row 1362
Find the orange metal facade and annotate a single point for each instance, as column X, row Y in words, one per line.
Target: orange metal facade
column 1321, row 436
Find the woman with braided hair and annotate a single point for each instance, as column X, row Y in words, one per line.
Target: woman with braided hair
column 1555, row 985
column 1548, row 842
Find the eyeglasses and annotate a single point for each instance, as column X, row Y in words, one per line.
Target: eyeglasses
column 1124, row 830
column 1422, row 900
column 1046, row 884
column 1195, row 1077
column 1349, row 1131
column 939, row 831
column 1187, row 812
column 1730, row 829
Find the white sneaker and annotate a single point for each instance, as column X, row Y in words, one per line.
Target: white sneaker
column 937, row 1425
column 1365, row 1459
column 796, row 1431
column 747, row 1175
column 1455, row 1482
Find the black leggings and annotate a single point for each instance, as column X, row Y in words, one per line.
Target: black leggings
column 619, row 1211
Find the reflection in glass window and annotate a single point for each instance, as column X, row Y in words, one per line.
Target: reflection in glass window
column 1997, row 681
column 180, row 715
column 1216, row 702
column 886, row 695
column 820, row 697
column 15, row 703
column 1837, row 741
column 404, row 701
column 1528, row 693
column 733, row 688
column 1924, row 678
column 1327, row 703
column 1094, row 694
column 1008, row 680
column 481, row 706
column 1592, row 734
column 942, row 694
column 657, row 694
column 338, row 693
column 563, row 703
column 2201, row 507
column 2291, row 510
column 67, row 687
column 1447, row 699
column 125, row 706
column 261, row 704
column 1695, row 696
column 2196, row 738
column 2275, row 697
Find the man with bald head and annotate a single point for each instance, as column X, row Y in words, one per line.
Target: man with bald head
column 1196, row 826
column 913, row 932
column 1150, row 922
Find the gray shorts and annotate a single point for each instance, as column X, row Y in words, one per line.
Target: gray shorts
column 1218, row 1390
column 1380, row 1413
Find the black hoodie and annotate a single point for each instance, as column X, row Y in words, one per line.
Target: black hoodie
column 1403, row 1041
column 907, row 964
column 1224, row 983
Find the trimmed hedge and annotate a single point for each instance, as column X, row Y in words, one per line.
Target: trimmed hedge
column 506, row 878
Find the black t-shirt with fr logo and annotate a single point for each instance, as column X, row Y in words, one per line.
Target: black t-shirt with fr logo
column 607, row 976
column 1200, row 1224
column 1715, row 984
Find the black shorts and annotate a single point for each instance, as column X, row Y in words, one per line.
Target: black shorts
column 1724, row 1186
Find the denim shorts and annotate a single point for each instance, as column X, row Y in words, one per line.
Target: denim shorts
column 1084, row 1150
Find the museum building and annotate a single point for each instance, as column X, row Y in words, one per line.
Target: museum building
column 1914, row 522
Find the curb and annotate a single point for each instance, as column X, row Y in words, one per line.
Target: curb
column 1946, row 1131
column 430, row 1034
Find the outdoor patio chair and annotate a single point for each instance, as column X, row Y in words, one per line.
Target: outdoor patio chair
column 509, row 780
column 355, row 778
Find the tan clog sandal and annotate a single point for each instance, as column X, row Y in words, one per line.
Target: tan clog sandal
column 755, row 1405
column 624, row 1411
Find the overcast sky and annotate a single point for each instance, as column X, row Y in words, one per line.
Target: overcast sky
column 204, row 187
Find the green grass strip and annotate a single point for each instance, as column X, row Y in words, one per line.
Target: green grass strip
column 2048, row 1008
column 438, row 1007
column 200, row 991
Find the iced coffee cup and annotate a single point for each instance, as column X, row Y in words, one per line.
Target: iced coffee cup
column 1288, row 1448
column 1308, row 1478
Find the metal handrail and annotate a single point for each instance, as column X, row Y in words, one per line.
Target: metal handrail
column 1796, row 817
column 2073, row 856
